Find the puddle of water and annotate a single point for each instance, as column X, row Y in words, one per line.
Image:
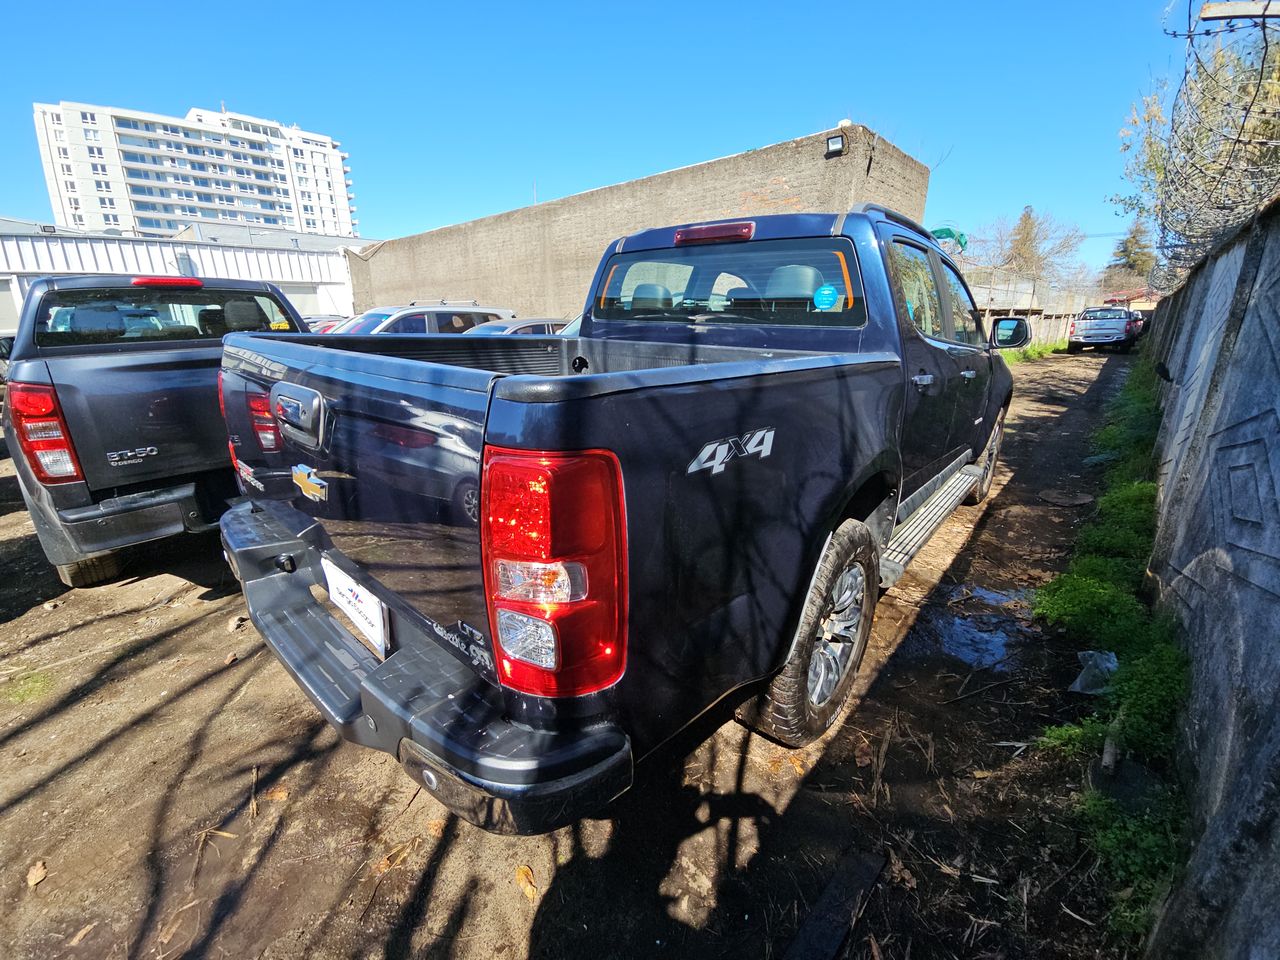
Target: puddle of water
column 978, row 641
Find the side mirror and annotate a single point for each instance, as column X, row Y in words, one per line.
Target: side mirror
column 1009, row 333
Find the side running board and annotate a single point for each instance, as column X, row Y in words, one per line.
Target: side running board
column 914, row 532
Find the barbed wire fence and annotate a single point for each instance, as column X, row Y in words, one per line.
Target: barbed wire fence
column 1222, row 152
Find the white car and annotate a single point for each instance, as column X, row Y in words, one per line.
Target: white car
column 441, row 316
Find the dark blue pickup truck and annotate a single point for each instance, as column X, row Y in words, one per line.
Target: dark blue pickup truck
column 112, row 413
column 693, row 504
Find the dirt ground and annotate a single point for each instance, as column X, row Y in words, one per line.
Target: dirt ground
column 186, row 799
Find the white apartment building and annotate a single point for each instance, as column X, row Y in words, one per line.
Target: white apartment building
column 150, row 175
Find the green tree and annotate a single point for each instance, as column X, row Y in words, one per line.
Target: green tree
column 1132, row 260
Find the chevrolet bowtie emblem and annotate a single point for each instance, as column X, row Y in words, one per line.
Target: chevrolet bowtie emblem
column 312, row 487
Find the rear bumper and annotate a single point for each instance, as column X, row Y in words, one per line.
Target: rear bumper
column 1100, row 339
column 72, row 533
column 444, row 723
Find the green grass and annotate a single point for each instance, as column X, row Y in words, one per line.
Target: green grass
column 1035, row 351
column 31, row 687
column 1139, row 853
column 1096, row 603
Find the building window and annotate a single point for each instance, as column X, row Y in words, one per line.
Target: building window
column 111, row 219
column 102, row 186
column 107, row 203
column 55, row 117
column 64, row 153
column 92, row 135
column 78, row 219
column 70, row 185
column 86, row 117
column 96, row 152
column 99, row 169
column 67, row 171
column 60, row 136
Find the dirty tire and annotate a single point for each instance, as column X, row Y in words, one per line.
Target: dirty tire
column 1074, row 348
column 989, row 461
column 786, row 712
column 86, row 573
column 465, row 505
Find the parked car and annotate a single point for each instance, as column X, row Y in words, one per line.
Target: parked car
column 112, row 414
column 531, row 327
column 694, row 502
column 324, row 322
column 438, row 317
column 1103, row 327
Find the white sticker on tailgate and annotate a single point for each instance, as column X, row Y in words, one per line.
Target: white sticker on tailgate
column 366, row 611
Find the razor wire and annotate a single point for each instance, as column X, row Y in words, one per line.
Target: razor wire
column 1222, row 151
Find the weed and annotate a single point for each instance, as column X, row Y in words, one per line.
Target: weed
column 31, row 687
column 1075, row 740
column 1125, row 573
column 1139, row 853
column 1097, row 614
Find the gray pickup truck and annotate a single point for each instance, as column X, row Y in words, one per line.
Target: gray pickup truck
column 112, row 409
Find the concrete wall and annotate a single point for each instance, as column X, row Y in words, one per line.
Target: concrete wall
column 1217, row 566
column 539, row 260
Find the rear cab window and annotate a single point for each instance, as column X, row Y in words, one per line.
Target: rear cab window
column 111, row 315
column 915, row 287
column 803, row 282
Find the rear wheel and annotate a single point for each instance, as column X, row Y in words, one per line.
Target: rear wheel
column 86, row 573
column 1074, row 348
column 989, row 460
column 801, row 702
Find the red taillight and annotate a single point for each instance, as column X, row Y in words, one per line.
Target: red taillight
column 42, row 433
column 1131, row 328
column 1071, row 330
column 265, row 427
column 222, row 401
column 553, row 539
column 167, row 282
column 716, row 232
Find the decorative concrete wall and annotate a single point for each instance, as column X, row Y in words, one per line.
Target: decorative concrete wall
column 539, row 260
column 1217, row 566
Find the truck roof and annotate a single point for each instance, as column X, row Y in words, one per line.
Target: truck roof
column 778, row 226
column 81, row 281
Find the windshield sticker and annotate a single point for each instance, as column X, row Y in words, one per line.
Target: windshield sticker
column 825, row 297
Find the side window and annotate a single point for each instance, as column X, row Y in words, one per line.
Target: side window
column 415, row 323
column 534, row 329
column 964, row 315
column 914, row 283
column 449, row 322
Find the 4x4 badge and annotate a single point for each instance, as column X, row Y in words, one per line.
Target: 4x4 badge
column 717, row 453
column 312, row 487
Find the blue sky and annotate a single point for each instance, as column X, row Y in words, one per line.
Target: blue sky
column 453, row 111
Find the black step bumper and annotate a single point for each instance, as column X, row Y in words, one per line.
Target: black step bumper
column 444, row 723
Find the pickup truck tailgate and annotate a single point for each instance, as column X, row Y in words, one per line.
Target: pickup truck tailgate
column 139, row 416
column 383, row 455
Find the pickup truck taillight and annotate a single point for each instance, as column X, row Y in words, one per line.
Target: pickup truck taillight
column 1131, row 328
column 42, row 433
column 265, row 427
column 1071, row 330
column 553, row 539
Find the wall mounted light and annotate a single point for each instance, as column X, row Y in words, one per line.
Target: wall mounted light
column 835, row 145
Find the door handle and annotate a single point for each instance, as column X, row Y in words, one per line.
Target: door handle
column 922, row 381
column 969, row 374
